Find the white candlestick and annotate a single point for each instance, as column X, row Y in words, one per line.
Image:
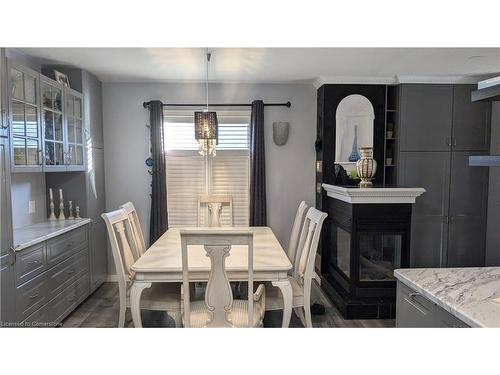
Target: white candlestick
column 60, row 195
column 51, row 195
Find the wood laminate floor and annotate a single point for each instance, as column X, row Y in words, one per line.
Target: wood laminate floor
column 100, row 310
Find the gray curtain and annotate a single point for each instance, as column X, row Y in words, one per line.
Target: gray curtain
column 258, row 212
column 158, row 222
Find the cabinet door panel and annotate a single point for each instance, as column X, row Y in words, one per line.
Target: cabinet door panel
column 426, row 117
column 429, row 170
column 95, row 184
column 468, row 210
column 26, row 137
column 5, row 213
column 74, row 124
column 466, row 244
column 428, row 241
column 92, row 90
column 471, row 121
column 98, row 257
column 7, row 289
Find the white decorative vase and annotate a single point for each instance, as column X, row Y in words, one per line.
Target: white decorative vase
column 280, row 132
column 366, row 166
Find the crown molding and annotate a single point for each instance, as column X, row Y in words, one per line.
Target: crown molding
column 370, row 80
column 394, row 80
column 438, row 79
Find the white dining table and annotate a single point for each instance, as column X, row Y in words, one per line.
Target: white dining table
column 162, row 263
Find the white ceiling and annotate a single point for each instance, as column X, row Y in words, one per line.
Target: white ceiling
column 375, row 65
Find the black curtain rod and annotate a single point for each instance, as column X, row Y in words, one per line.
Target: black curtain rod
column 287, row 104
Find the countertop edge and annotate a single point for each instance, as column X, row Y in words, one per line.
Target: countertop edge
column 58, row 232
column 455, row 312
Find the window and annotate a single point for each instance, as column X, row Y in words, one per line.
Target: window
column 190, row 175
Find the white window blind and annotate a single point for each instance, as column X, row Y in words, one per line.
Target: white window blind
column 190, row 175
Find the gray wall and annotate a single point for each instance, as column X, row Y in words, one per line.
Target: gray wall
column 493, row 232
column 26, row 187
column 290, row 168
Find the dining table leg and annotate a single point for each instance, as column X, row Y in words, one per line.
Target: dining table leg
column 135, row 301
column 286, row 290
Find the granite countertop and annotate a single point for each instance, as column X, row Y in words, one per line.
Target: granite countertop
column 466, row 293
column 32, row 234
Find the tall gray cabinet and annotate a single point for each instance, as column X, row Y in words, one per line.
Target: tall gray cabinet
column 88, row 187
column 439, row 129
column 6, row 268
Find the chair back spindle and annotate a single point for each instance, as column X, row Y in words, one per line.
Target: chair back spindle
column 217, row 245
column 296, row 229
column 308, row 245
column 123, row 246
column 215, row 204
column 135, row 224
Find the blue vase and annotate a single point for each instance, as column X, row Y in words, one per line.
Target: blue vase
column 354, row 153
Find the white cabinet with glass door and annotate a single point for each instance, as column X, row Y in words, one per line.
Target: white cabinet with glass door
column 55, row 152
column 75, row 130
column 24, row 119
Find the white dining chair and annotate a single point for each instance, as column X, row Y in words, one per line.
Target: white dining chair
column 161, row 296
column 303, row 270
column 214, row 204
column 219, row 308
column 295, row 233
column 131, row 212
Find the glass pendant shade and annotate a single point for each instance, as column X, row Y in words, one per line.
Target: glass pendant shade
column 205, row 132
column 205, row 125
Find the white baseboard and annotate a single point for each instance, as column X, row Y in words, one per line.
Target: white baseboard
column 111, row 279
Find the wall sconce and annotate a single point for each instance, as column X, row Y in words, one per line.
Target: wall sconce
column 280, row 132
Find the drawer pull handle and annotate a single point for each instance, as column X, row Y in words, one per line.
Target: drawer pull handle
column 70, row 244
column 71, row 271
column 33, row 262
column 33, row 296
column 414, row 294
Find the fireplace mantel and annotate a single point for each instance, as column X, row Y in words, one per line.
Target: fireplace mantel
column 358, row 195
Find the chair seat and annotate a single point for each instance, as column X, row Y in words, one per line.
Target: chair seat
column 160, row 297
column 274, row 298
column 239, row 314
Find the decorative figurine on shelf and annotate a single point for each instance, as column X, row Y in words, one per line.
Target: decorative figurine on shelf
column 70, row 208
column 389, row 130
column 77, row 211
column 354, row 153
column 52, row 215
column 61, row 206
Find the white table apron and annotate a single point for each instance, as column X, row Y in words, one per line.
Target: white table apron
column 162, row 263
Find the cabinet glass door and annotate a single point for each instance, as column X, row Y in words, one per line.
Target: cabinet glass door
column 74, row 121
column 52, row 119
column 25, row 129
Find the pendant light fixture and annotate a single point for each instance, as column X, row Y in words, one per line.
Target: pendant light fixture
column 206, row 125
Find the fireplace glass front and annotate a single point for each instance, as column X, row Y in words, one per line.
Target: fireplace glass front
column 380, row 254
column 342, row 258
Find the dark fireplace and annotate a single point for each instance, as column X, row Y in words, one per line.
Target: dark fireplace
column 361, row 247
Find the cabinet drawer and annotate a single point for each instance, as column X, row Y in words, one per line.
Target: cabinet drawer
column 31, row 296
column 62, row 247
column 69, row 298
column 414, row 310
column 30, row 262
column 40, row 318
column 67, row 272
column 449, row 320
